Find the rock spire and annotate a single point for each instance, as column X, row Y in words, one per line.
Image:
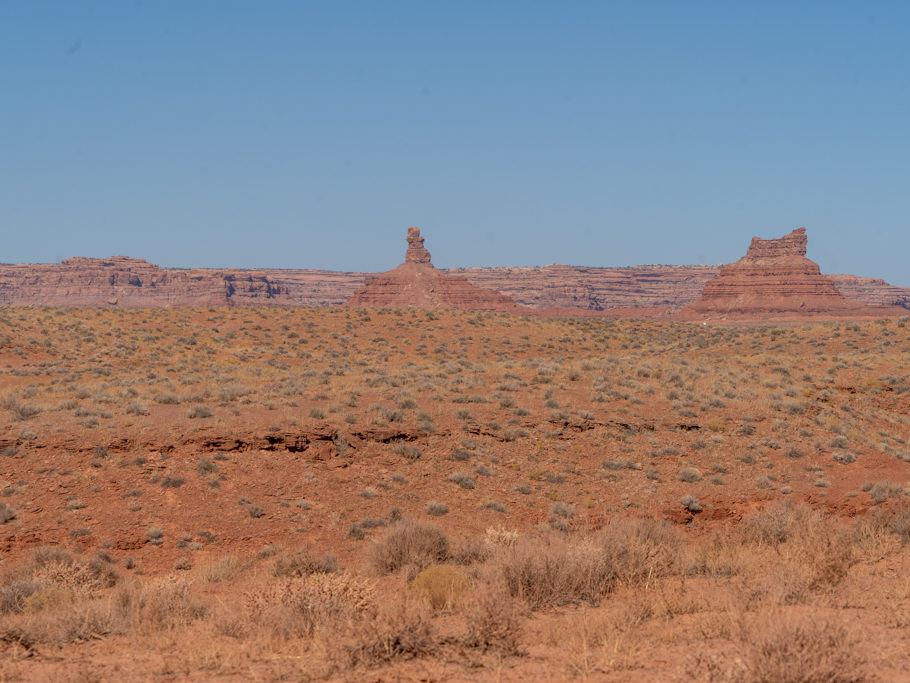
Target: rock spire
column 416, row 252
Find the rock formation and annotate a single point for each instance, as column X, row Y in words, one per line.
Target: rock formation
column 416, row 252
column 135, row 283
column 774, row 279
column 872, row 291
column 125, row 282
column 417, row 283
column 594, row 289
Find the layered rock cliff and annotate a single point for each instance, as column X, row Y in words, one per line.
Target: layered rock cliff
column 418, row 283
column 774, row 279
column 134, row 283
column 595, row 289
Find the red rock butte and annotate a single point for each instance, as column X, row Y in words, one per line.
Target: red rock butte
column 775, row 279
column 417, row 283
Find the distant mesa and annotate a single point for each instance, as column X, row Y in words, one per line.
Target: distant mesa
column 774, row 279
column 417, row 283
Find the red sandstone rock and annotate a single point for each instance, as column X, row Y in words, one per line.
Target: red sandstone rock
column 134, row 283
column 417, row 283
column 774, row 279
column 416, row 252
column 594, row 289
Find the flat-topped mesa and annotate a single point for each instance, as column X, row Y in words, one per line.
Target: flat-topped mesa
column 793, row 244
column 774, row 280
column 416, row 252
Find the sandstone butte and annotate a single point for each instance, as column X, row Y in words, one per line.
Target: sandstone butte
column 418, row 283
column 776, row 280
column 126, row 282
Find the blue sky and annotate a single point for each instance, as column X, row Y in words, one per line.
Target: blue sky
column 312, row 134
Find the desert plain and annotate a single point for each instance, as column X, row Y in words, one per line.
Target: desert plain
column 404, row 494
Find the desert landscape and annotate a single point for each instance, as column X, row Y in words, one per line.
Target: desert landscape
column 396, row 489
column 372, row 342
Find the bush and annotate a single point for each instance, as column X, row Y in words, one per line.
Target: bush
column 199, row 412
column 552, row 571
column 440, row 584
column 436, row 509
column 303, row 563
column 803, row 649
column 494, row 620
column 409, row 545
column 689, row 475
column 465, row 481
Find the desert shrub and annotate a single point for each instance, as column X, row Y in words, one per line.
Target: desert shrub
column 436, row 508
column 562, row 510
column 51, row 566
column 691, row 503
column 395, row 631
column 553, row 571
column 197, row 412
column 881, row 491
column 777, row 523
column 6, row 513
column 224, row 569
column 303, row 563
column 13, row 594
column 440, row 584
column 788, row 649
column 136, row 408
column 843, row 457
column 157, row 606
column 21, row 411
column 465, row 481
column 408, row 545
column 494, row 620
column 294, row 607
column 172, row 481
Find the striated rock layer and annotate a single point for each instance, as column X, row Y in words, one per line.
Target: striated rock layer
column 872, row 291
column 774, row 279
column 595, row 289
column 135, row 283
column 418, row 283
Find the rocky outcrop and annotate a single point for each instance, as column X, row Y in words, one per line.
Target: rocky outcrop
column 416, row 252
column 872, row 291
column 773, row 280
column 417, row 283
column 126, row 282
column 594, row 289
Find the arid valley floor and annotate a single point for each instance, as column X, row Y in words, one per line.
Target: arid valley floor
column 397, row 494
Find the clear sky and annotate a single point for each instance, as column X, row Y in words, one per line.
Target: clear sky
column 306, row 134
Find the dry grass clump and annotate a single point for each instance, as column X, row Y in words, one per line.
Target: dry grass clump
column 555, row 571
column 399, row 629
column 47, row 568
column 494, row 619
column 440, row 584
column 294, row 607
column 303, row 563
column 785, row 648
column 409, row 545
column 778, row 522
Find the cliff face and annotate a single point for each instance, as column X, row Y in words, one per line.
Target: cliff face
column 774, row 279
column 595, row 289
column 135, row 283
column 417, row 283
column 771, row 268
column 872, row 291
